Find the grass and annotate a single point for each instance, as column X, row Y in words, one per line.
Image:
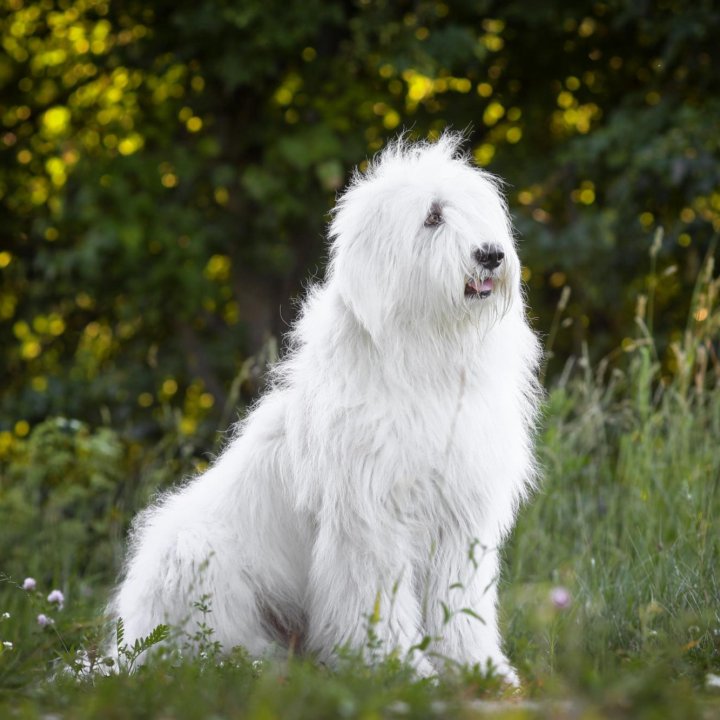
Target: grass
column 627, row 522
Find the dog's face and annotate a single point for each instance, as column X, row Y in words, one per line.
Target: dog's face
column 424, row 237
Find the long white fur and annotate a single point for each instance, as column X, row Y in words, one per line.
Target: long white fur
column 381, row 471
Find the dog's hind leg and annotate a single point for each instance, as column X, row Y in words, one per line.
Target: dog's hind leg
column 187, row 569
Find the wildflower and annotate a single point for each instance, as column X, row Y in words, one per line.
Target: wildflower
column 44, row 620
column 8, row 645
column 560, row 597
column 29, row 584
column 56, row 596
column 6, row 616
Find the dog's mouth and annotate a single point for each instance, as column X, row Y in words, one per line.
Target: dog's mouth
column 481, row 289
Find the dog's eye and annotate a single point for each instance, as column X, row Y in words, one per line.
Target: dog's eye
column 434, row 218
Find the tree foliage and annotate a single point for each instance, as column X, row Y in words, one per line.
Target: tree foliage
column 166, row 170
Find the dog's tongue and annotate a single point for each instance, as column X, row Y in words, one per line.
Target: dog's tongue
column 484, row 286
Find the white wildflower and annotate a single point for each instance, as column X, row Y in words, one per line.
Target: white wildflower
column 560, row 597
column 56, row 596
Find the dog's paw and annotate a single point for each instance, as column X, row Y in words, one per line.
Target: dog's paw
column 423, row 667
column 507, row 674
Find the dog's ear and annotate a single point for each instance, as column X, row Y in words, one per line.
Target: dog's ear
column 363, row 285
column 363, row 261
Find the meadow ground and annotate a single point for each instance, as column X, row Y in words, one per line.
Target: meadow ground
column 610, row 595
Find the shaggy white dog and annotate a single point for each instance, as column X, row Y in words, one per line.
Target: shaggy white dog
column 368, row 491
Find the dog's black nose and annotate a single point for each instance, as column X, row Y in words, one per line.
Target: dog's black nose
column 489, row 256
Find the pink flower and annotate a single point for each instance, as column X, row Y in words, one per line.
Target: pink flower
column 44, row 620
column 29, row 584
column 56, row 596
column 560, row 597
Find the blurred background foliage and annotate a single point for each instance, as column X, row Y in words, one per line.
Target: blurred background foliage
column 166, row 169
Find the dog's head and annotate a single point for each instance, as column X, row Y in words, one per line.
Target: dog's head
column 423, row 236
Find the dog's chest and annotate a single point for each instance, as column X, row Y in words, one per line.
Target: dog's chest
column 459, row 438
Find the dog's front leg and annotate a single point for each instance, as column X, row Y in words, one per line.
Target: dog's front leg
column 361, row 594
column 461, row 608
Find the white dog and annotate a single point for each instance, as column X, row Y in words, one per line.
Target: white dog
column 368, row 491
